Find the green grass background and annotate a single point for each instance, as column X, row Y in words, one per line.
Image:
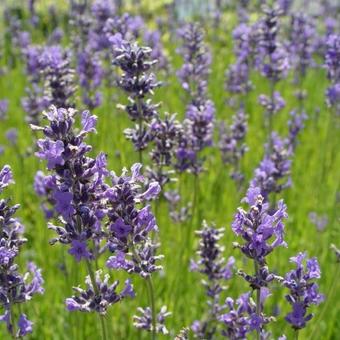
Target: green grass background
column 315, row 174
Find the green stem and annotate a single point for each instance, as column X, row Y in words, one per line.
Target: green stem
column 258, row 301
column 153, row 308
column 96, row 290
column 296, row 334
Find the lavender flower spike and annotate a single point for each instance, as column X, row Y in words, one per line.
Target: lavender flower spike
column 138, row 82
column 216, row 270
column 303, row 289
column 15, row 288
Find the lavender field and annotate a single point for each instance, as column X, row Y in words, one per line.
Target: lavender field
column 169, row 169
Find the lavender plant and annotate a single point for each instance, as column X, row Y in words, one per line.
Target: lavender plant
column 138, row 82
column 216, row 271
column 130, row 237
column 303, row 291
column 273, row 173
column 166, row 134
column 78, row 190
column 301, row 48
column 198, row 124
column 15, row 288
column 51, row 79
column 90, row 74
column 273, row 62
column 262, row 231
column 232, row 145
column 332, row 64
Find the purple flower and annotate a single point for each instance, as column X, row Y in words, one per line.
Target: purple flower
column 6, row 255
column 15, row 288
column 37, row 281
column 79, row 250
column 303, row 291
column 144, row 320
column 211, row 264
column 258, row 227
column 63, row 204
column 100, row 298
column 25, row 325
column 152, row 192
column 197, row 59
column 52, row 152
column 137, row 252
column 139, row 83
column 6, row 177
column 120, row 229
column 88, row 122
column 118, row 261
column 231, row 144
column 12, row 135
column 3, row 108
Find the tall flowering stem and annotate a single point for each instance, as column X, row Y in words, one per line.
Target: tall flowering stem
column 15, row 288
column 301, row 48
column 138, row 82
column 216, row 271
column 131, row 224
column 273, row 173
column 77, row 187
column 262, row 231
column 303, row 291
column 232, row 144
column 272, row 62
column 51, row 79
column 332, row 65
column 166, row 132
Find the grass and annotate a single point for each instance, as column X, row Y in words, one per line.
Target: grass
column 315, row 187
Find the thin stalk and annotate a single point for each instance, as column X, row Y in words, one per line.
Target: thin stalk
column 258, row 301
column 151, row 296
column 271, row 113
column 195, row 197
column 96, row 290
column 296, row 335
column 153, row 307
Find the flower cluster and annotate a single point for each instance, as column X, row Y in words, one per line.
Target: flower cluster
column 303, row 289
column 55, row 64
column 231, row 144
column 198, row 124
column 77, row 181
column 242, row 317
column 332, row 64
column 130, row 224
column 237, row 75
column 99, row 297
column 211, row 264
column 274, row 57
column 197, row 134
column 90, row 73
column 15, row 288
column 295, row 125
column 301, row 48
column 273, row 174
column 261, row 230
column 77, row 188
column 166, row 134
column 138, row 82
column 197, row 59
column 153, row 39
column 144, row 320
column 51, row 80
